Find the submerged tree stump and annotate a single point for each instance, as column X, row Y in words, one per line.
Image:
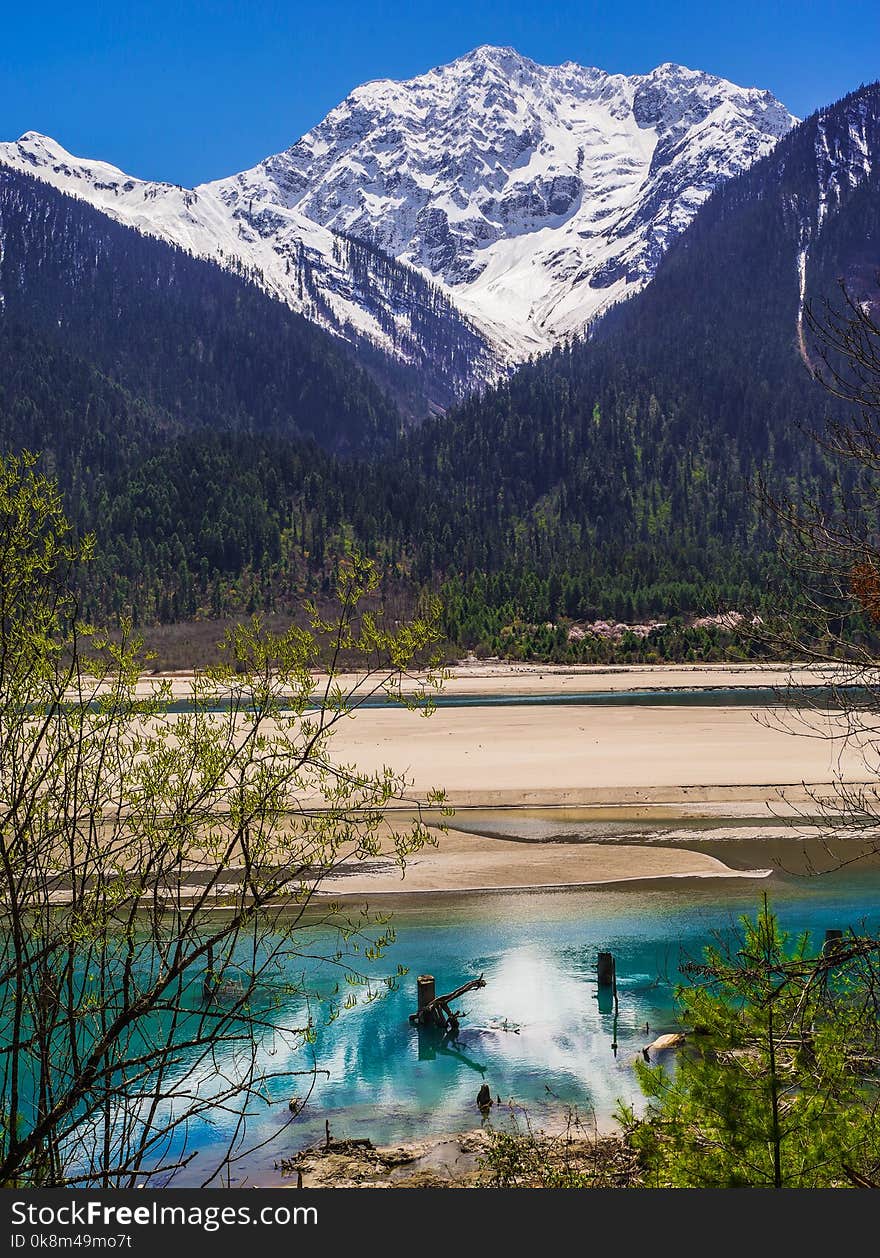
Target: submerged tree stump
column 425, row 990
column 434, row 1010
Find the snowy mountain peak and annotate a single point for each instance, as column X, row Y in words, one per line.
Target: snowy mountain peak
column 531, row 196
column 498, row 56
column 535, row 195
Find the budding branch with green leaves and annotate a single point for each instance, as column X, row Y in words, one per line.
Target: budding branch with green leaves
column 161, row 869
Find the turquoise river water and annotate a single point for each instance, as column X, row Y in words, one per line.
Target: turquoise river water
column 538, row 1033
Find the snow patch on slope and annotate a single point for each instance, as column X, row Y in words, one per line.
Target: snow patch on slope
column 290, row 256
column 844, row 138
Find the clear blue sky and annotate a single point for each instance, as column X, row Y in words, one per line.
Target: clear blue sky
column 193, row 90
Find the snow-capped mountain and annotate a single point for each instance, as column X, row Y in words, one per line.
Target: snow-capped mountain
column 535, row 194
column 532, row 196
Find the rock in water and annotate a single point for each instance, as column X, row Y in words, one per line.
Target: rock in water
column 664, row 1042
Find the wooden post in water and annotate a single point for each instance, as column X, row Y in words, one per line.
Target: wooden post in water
column 606, row 976
column 435, row 1010
column 425, row 990
column 605, row 969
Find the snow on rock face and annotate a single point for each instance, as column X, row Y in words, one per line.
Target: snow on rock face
column 347, row 288
column 533, row 196
column 846, row 137
column 195, row 219
column 843, row 144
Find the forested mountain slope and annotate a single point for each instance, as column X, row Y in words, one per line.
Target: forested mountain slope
column 611, row 478
column 195, row 345
column 615, row 476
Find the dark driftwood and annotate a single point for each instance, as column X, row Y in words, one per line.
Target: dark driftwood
column 436, row 1012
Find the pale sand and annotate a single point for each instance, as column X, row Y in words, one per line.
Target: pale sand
column 504, row 678
column 729, row 759
column 725, row 758
column 474, row 862
column 548, row 755
column 520, row 756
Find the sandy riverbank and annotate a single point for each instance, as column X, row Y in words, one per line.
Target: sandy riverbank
column 505, row 678
column 725, row 759
column 474, row 862
column 521, row 756
column 546, row 755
